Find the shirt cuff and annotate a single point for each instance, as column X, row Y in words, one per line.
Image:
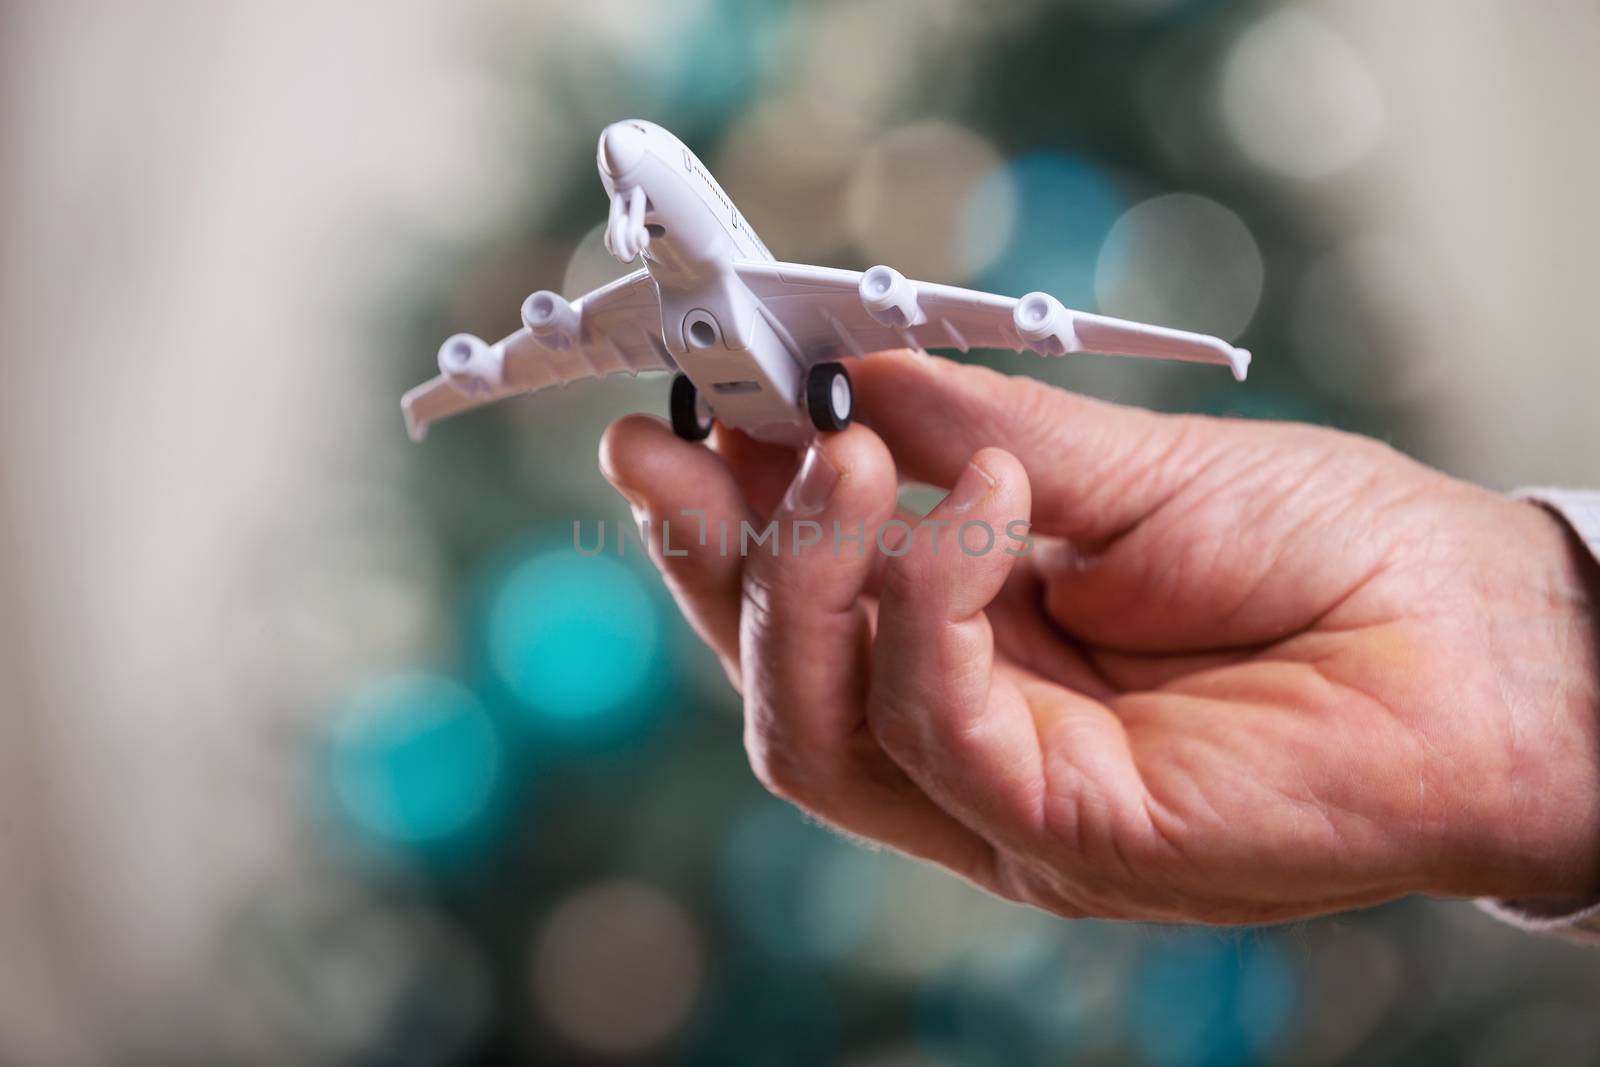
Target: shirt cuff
column 1572, row 918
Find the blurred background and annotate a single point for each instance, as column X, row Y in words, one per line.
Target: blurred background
column 320, row 748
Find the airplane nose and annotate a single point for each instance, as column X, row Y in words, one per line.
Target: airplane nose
column 621, row 148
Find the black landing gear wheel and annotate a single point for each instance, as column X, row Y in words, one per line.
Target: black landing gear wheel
column 830, row 399
column 691, row 418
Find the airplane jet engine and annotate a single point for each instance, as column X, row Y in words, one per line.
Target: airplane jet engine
column 1045, row 325
column 552, row 321
column 889, row 298
column 471, row 366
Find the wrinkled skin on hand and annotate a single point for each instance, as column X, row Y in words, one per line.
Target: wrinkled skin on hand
column 1250, row 671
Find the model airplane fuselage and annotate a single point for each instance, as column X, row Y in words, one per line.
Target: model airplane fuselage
column 757, row 344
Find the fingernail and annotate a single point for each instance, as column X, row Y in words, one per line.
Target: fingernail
column 812, row 487
column 973, row 485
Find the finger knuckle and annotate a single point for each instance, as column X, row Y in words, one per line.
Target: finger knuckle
column 768, row 595
column 897, row 729
column 775, row 766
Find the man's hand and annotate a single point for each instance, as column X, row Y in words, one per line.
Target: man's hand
column 1250, row 670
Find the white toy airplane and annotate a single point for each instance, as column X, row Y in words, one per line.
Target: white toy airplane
column 755, row 343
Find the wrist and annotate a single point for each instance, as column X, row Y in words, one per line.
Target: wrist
column 1549, row 667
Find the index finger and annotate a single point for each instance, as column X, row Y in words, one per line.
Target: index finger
column 1096, row 468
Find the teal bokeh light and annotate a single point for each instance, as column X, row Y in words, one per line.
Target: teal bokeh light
column 1204, row 1000
column 795, row 889
column 706, row 64
column 414, row 759
column 573, row 637
column 1032, row 995
column 1061, row 210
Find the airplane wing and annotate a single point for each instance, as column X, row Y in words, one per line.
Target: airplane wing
column 829, row 313
column 616, row 329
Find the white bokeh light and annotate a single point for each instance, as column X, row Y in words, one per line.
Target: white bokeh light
column 590, row 266
column 617, row 967
column 624, row 27
column 907, row 197
column 1181, row 260
column 934, row 921
column 786, row 163
column 1297, row 98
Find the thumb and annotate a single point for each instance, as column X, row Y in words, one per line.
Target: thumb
column 1096, row 468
